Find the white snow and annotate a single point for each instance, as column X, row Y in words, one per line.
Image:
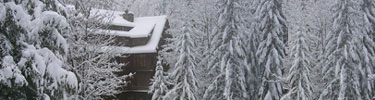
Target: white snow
column 10, row 71
column 21, row 16
column 47, row 20
column 143, row 28
column 2, row 12
column 152, row 44
column 117, row 17
column 371, row 77
column 45, row 62
column 268, row 96
column 46, row 97
column 55, row 70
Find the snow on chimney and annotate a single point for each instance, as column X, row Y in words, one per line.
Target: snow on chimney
column 128, row 16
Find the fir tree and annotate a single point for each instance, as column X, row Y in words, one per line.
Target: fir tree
column 159, row 82
column 343, row 73
column 368, row 51
column 36, row 50
column 184, row 73
column 299, row 73
column 368, row 8
column 271, row 50
column 230, row 82
column 301, row 60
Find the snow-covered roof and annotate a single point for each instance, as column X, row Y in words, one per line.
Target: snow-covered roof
column 143, row 27
column 152, row 44
column 117, row 17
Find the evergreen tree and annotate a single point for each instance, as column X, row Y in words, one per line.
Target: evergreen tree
column 343, row 72
column 322, row 26
column 368, row 51
column 299, row 73
column 184, row 73
column 368, row 10
column 300, row 60
column 230, row 82
column 271, row 50
column 251, row 40
column 33, row 46
column 206, row 29
column 159, row 82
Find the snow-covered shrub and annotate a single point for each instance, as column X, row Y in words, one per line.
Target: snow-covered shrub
column 33, row 51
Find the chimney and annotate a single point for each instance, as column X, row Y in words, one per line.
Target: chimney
column 128, row 16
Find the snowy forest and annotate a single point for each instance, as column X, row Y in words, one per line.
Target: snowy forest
column 218, row 50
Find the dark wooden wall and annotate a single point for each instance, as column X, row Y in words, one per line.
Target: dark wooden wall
column 143, row 65
column 131, row 42
column 134, row 96
column 120, row 28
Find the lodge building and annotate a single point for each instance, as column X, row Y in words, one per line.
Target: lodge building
column 140, row 39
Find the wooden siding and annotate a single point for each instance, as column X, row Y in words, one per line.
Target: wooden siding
column 130, row 42
column 119, row 28
column 143, row 65
column 140, row 81
column 122, row 41
column 143, row 61
column 141, row 95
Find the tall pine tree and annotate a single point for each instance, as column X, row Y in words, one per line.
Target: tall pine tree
column 299, row 72
column 230, row 82
column 271, row 51
column 159, row 82
column 343, row 74
column 300, row 59
column 184, row 73
column 368, row 51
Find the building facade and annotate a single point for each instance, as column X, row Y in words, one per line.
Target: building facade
column 140, row 39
